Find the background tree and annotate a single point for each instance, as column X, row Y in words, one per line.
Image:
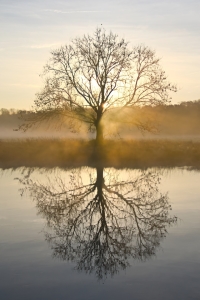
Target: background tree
column 97, row 73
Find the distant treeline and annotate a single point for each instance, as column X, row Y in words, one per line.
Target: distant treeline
column 176, row 119
column 180, row 119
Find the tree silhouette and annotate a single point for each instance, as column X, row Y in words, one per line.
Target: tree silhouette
column 94, row 74
column 102, row 223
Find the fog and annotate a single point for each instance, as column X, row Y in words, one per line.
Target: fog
column 10, row 122
column 161, row 122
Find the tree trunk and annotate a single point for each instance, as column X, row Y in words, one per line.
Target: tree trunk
column 99, row 134
column 99, row 127
column 97, row 155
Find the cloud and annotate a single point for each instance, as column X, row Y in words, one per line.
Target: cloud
column 37, row 46
column 20, row 85
column 41, row 46
column 34, row 221
column 72, row 11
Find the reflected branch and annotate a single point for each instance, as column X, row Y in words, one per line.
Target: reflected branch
column 99, row 220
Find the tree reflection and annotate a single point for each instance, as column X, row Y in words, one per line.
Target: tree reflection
column 100, row 221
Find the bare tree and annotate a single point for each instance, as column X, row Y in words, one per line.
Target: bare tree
column 94, row 74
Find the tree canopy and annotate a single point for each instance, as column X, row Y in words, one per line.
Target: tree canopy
column 99, row 72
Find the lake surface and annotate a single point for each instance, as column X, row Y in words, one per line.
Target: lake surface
column 99, row 234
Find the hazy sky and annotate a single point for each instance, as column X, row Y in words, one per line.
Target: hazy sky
column 30, row 29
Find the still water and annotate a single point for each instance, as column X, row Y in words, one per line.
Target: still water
column 99, row 234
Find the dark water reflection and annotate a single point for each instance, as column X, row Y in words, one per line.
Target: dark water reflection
column 101, row 218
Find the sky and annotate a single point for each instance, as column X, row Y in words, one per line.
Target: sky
column 30, row 30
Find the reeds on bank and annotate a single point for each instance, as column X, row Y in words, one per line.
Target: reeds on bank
column 112, row 153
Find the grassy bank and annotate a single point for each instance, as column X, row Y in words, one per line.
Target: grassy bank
column 120, row 154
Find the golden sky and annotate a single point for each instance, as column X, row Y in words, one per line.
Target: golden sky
column 31, row 29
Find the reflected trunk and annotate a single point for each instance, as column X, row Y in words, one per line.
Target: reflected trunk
column 100, row 181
